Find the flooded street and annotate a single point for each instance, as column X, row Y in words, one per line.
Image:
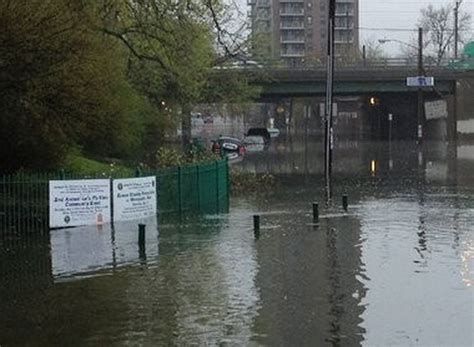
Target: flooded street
column 396, row 269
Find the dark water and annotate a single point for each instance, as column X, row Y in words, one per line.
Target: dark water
column 396, row 269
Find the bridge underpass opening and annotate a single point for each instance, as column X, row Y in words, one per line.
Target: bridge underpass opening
column 372, row 117
column 389, row 116
column 356, row 117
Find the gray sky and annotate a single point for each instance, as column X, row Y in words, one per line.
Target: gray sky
column 398, row 15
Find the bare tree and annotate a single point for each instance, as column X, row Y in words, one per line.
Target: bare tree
column 374, row 50
column 439, row 29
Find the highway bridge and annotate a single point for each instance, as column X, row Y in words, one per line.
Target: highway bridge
column 352, row 81
column 385, row 84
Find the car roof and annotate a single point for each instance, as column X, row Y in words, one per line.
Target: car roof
column 253, row 138
column 258, row 131
column 228, row 138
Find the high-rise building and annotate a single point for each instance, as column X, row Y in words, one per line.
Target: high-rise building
column 296, row 30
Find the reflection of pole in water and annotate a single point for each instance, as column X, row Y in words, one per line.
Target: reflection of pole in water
column 307, row 112
column 114, row 246
column 328, row 134
column 390, row 160
column 390, row 119
column 141, row 242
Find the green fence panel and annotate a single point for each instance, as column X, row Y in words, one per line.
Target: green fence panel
column 24, row 198
column 168, row 190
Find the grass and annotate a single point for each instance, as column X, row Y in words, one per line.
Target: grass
column 81, row 165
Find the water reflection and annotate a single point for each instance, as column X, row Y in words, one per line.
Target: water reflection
column 84, row 250
column 309, row 278
column 438, row 161
column 429, row 270
column 396, row 269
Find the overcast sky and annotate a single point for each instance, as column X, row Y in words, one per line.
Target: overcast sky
column 394, row 19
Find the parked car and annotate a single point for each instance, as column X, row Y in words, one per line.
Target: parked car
column 263, row 132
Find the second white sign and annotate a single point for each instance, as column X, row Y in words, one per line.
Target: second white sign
column 134, row 198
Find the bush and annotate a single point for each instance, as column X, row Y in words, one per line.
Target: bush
column 166, row 157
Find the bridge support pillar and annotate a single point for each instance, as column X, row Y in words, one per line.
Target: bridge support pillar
column 452, row 120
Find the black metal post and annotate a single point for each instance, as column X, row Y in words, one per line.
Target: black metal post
column 315, row 212
column 256, row 226
column 141, row 234
column 256, row 222
column 345, row 202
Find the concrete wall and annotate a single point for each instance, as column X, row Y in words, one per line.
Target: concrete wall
column 465, row 109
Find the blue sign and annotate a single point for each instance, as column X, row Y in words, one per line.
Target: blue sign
column 420, row 81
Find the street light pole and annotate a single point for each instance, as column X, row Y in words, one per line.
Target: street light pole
column 421, row 72
column 328, row 133
column 456, row 28
column 420, row 115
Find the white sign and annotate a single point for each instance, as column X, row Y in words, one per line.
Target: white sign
column 134, row 198
column 420, row 81
column 79, row 202
column 436, row 109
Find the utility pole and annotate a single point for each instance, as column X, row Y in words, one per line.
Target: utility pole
column 456, row 28
column 364, row 56
column 329, row 134
column 420, row 112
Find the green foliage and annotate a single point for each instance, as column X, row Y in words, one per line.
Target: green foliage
column 170, row 46
column 166, row 157
column 229, row 86
column 84, row 166
column 62, row 86
column 105, row 76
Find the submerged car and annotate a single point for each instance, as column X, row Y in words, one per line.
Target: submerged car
column 225, row 144
column 263, row 132
column 254, row 143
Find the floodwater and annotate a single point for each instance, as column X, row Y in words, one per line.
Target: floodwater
column 396, row 269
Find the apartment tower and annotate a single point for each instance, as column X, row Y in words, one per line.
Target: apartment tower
column 295, row 31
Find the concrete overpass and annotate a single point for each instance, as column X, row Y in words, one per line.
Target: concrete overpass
column 387, row 84
column 305, row 82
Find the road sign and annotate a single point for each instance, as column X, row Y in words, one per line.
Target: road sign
column 436, row 109
column 420, row 81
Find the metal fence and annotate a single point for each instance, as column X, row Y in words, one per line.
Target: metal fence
column 203, row 188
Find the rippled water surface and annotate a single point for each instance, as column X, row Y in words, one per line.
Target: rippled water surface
column 396, row 269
